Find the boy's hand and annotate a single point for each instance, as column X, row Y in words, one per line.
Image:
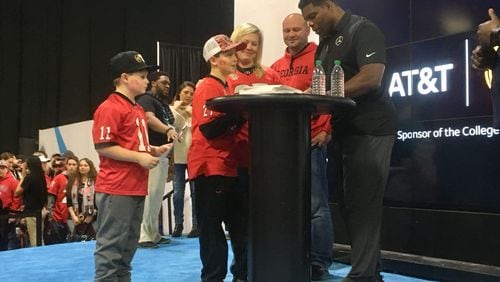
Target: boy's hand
column 147, row 161
column 158, row 151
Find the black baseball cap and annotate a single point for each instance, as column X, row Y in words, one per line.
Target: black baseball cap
column 128, row 62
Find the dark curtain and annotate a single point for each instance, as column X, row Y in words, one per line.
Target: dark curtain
column 182, row 63
column 54, row 54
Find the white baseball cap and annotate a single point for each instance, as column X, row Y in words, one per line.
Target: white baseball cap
column 220, row 43
column 43, row 159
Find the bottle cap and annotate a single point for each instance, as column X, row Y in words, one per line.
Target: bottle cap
column 318, row 62
column 337, row 62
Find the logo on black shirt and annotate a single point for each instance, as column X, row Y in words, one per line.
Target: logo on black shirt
column 339, row 40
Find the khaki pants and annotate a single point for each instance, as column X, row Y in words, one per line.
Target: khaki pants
column 152, row 204
column 31, row 225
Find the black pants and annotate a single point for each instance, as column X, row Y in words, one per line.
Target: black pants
column 363, row 163
column 221, row 199
column 4, row 232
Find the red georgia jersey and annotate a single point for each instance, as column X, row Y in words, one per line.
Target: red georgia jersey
column 214, row 156
column 8, row 185
column 58, row 189
column 297, row 72
column 237, row 79
column 118, row 121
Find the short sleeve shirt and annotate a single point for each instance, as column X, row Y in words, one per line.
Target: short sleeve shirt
column 357, row 42
column 119, row 121
column 58, row 189
column 34, row 194
column 161, row 111
column 8, row 185
column 215, row 156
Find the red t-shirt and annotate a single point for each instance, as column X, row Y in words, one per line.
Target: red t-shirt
column 214, row 156
column 8, row 185
column 118, row 121
column 235, row 80
column 58, row 189
column 296, row 71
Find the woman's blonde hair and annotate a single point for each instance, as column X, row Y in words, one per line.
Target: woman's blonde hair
column 249, row 28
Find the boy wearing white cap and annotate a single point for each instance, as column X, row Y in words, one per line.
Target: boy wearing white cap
column 212, row 166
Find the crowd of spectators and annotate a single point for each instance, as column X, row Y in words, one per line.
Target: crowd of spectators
column 57, row 190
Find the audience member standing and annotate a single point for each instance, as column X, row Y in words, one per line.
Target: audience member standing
column 212, row 167
column 121, row 139
column 161, row 131
column 8, row 185
column 47, row 168
column 57, row 202
column 80, row 194
column 10, row 159
column 364, row 137
column 181, row 107
column 295, row 69
column 33, row 188
column 486, row 57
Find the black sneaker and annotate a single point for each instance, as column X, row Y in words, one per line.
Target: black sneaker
column 318, row 273
column 148, row 245
column 178, row 230
column 194, row 233
column 163, row 241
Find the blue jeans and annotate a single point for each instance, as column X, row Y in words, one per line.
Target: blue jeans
column 321, row 218
column 179, row 188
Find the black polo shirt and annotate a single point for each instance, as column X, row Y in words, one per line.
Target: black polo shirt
column 161, row 111
column 356, row 42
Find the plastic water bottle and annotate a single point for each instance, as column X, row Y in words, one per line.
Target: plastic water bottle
column 318, row 79
column 337, row 80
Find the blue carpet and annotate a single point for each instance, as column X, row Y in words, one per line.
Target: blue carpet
column 176, row 262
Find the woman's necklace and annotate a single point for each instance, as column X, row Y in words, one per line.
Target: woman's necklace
column 247, row 71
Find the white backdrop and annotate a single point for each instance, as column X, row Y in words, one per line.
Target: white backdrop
column 76, row 137
column 268, row 15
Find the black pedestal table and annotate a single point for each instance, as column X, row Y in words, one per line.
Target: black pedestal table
column 280, row 179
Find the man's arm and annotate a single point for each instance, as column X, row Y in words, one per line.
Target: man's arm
column 156, row 125
column 367, row 79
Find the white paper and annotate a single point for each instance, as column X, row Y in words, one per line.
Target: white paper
column 268, row 89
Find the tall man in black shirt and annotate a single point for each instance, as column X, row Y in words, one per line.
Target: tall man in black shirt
column 161, row 131
column 363, row 138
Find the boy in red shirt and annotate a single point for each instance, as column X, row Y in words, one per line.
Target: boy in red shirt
column 212, row 166
column 121, row 139
column 56, row 202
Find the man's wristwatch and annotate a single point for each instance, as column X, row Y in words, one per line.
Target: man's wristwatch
column 494, row 36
